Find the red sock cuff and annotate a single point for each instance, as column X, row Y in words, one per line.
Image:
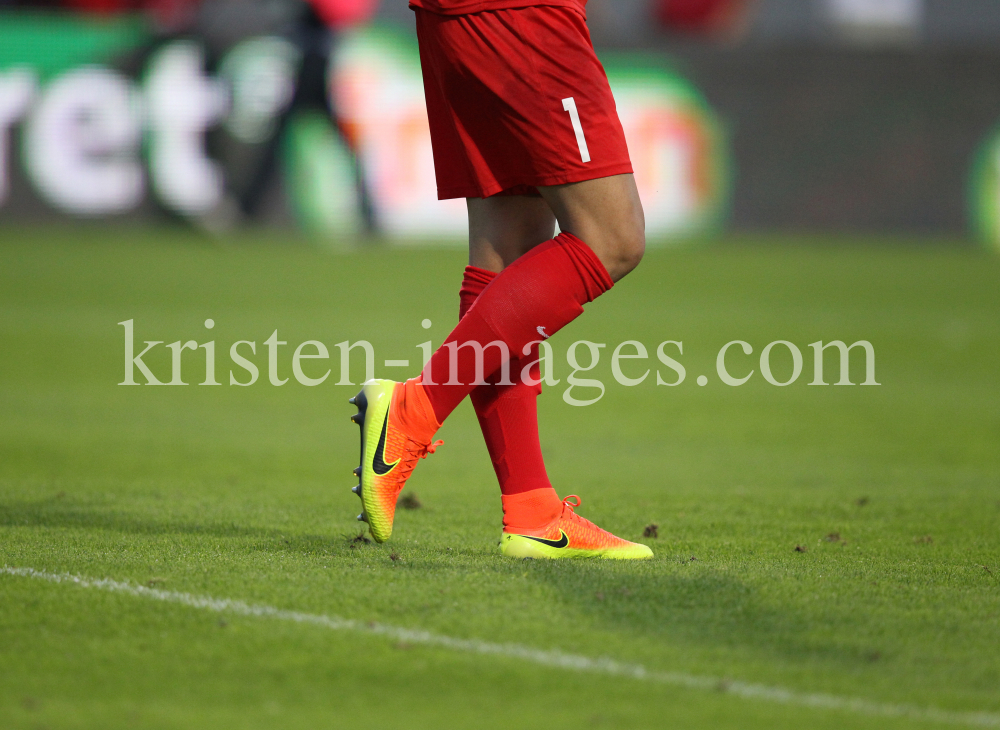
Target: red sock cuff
column 477, row 278
column 595, row 276
column 473, row 283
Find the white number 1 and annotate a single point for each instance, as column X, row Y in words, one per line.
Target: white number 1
column 569, row 105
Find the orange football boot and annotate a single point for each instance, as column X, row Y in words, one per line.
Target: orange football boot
column 570, row 536
column 389, row 450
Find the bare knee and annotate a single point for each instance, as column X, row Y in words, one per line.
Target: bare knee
column 624, row 247
column 607, row 214
column 633, row 248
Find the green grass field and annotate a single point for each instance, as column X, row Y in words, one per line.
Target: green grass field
column 892, row 494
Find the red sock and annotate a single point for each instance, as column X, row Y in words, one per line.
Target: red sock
column 532, row 299
column 508, row 417
column 508, row 414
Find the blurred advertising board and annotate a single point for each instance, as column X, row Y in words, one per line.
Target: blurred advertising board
column 100, row 120
column 984, row 192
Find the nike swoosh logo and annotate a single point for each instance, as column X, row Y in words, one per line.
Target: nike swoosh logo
column 560, row 543
column 378, row 461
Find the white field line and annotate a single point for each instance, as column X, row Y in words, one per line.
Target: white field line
column 558, row 659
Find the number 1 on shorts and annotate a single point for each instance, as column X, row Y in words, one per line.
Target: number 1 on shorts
column 569, row 104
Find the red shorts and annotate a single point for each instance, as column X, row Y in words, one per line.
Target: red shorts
column 517, row 99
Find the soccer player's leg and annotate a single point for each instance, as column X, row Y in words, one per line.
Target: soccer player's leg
column 501, row 229
column 543, row 290
column 532, row 135
column 537, row 524
column 396, row 420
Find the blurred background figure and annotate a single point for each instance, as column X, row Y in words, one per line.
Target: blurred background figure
column 314, row 32
column 301, row 36
column 751, row 115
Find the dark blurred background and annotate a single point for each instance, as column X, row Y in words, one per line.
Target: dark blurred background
column 865, row 116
